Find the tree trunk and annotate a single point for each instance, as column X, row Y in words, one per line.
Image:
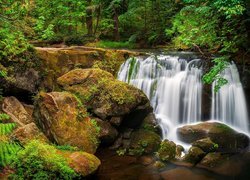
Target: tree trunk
column 116, row 26
column 98, row 10
column 89, row 18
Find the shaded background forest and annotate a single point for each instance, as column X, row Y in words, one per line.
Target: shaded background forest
column 218, row 27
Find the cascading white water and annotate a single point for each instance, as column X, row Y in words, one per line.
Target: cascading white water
column 229, row 104
column 173, row 86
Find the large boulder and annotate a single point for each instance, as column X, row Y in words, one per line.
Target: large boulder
column 65, row 121
column 106, row 97
column 17, row 111
column 226, row 138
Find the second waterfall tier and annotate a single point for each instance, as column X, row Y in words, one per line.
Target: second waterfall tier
column 174, row 87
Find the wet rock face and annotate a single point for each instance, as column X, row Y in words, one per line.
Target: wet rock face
column 227, row 139
column 64, row 122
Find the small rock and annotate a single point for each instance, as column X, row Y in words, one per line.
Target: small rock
column 146, row 160
column 27, row 133
column 108, row 133
column 116, row 121
column 16, row 111
column 167, row 150
column 179, row 150
column 84, row 163
column 194, row 155
column 206, row 145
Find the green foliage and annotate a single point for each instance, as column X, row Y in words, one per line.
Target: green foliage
column 7, row 128
column 41, row 161
column 214, row 74
column 8, row 152
column 95, row 124
column 4, row 117
column 58, row 16
column 115, row 45
column 66, row 148
column 121, row 152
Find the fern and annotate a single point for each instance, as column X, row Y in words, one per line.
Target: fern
column 4, row 116
column 8, row 151
column 7, row 128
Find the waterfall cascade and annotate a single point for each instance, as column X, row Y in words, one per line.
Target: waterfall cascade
column 174, row 88
column 229, row 104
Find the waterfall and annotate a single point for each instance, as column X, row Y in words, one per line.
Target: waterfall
column 174, row 88
column 229, row 104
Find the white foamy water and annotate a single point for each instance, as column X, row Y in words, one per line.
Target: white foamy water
column 229, row 103
column 174, row 88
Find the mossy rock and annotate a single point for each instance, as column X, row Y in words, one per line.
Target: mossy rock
column 57, row 61
column 227, row 139
column 144, row 142
column 206, row 144
column 167, row 150
column 194, row 155
column 65, row 122
column 101, row 93
column 83, row 163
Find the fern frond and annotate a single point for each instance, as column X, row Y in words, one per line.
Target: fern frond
column 7, row 128
column 4, row 116
column 7, row 152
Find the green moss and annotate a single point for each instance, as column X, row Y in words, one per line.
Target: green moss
column 66, row 148
column 167, row 150
column 144, row 141
column 121, row 152
column 41, row 161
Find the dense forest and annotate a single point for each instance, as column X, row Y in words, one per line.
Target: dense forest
column 59, row 63
column 220, row 27
column 216, row 26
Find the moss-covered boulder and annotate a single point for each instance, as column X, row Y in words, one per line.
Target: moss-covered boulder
column 144, row 141
column 65, row 121
column 167, row 150
column 83, row 163
column 194, row 155
column 106, row 97
column 226, row 138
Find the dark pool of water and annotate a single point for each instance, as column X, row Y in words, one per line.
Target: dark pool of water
column 116, row 167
